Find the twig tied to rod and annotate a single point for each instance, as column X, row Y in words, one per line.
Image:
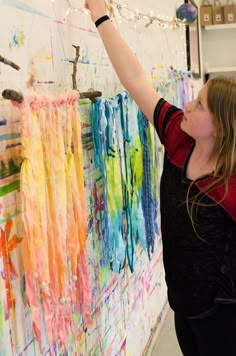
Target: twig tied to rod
column 75, row 62
column 9, row 63
column 91, row 93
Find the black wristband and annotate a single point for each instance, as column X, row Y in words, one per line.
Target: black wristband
column 101, row 20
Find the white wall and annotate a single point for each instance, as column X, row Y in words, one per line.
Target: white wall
column 218, row 48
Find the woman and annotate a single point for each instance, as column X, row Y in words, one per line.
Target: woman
column 198, row 198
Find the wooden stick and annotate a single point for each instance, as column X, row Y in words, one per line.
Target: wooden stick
column 12, row 95
column 75, row 62
column 9, row 63
column 92, row 95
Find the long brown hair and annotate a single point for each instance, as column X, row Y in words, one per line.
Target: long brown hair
column 221, row 101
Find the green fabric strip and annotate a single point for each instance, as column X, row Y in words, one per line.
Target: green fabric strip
column 9, row 188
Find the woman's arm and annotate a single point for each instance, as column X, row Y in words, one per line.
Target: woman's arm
column 124, row 61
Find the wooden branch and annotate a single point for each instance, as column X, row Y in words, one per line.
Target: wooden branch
column 9, row 63
column 75, row 62
column 12, row 95
column 92, row 95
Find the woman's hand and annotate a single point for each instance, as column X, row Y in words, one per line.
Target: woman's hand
column 97, row 8
column 124, row 61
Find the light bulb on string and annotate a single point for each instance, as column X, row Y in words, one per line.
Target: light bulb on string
column 68, row 9
column 137, row 14
column 68, row 12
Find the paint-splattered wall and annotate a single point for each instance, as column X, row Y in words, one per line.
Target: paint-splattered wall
column 126, row 307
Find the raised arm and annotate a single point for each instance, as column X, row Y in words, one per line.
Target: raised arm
column 124, row 61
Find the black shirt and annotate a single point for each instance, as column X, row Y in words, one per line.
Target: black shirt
column 200, row 263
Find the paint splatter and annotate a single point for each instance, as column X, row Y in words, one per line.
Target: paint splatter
column 17, row 38
column 85, row 57
column 3, row 121
column 46, row 57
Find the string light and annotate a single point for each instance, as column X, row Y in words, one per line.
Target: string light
column 123, row 11
column 67, row 12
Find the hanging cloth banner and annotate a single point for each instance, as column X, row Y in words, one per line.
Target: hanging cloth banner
column 117, row 133
column 54, row 214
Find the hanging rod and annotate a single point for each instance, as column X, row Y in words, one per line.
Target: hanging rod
column 17, row 96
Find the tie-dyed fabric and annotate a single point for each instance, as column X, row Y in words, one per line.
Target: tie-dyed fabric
column 54, row 214
column 120, row 150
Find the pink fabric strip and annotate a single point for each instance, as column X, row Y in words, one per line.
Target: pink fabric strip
column 54, row 213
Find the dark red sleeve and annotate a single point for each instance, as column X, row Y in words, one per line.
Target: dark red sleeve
column 217, row 194
column 167, row 119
